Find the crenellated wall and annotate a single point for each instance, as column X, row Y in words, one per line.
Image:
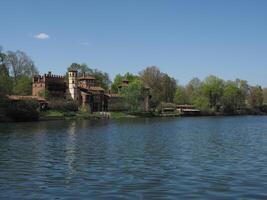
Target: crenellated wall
column 55, row 85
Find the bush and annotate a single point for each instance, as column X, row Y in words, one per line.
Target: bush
column 23, row 110
column 62, row 105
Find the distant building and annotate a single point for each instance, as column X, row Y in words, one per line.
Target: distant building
column 54, row 85
column 80, row 89
column 83, row 90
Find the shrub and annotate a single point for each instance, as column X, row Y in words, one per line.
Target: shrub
column 23, row 110
column 62, row 105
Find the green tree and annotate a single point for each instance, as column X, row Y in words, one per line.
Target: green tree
column 213, row 88
column 102, row 78
column 193, row 89
column 202, row 103
column 23, row 86
column 133, row 94
column 181, row 96
column 255, row 97
column 119, row 79
column 232, row 99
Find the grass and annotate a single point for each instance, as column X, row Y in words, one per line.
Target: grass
column 119, row 115
column 52, row 113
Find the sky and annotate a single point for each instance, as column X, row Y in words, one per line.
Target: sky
column 184, row 38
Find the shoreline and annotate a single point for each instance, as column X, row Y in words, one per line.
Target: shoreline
column 119, row 115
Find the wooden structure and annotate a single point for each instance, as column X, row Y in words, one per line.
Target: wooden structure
column 42, row 102
column 186, row 109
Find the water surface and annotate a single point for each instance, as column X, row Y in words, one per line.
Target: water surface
column 174, row 158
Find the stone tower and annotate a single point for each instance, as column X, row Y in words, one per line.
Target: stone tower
column 73, row 84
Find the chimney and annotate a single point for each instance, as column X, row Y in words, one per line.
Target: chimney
column 49, row 73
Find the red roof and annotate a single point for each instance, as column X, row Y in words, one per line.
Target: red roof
column 17, row 97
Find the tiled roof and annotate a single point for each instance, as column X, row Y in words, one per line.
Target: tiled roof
column 17, row 97
column 96, row 88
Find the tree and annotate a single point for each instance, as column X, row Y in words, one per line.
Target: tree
column 133, row 94
column 152, row 77
column 169, row 88
column 212, row 88
column 21, row 64
column 264, row 91
column 181, row 96
column 232, row 98
column 5, row 79
column 202, row 102
column 162, row 86
column 119, row 79
column 102, row 78
column 81, row 68
column 255, row 97
column 23, row 86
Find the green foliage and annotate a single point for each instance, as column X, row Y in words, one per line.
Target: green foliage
column 5, row 79
column 102, row 78
column 213, row 88
column 23, row 86
column 255, row 97
column 23, row 110
column 45, row 94
column 133, row 94
column 264, row 92
column 232, row 99
column 119, row 79
column 202, row 103
column 63, row 105
column 181, row 96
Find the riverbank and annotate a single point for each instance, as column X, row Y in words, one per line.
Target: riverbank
column 58, row 115
column 52, row 115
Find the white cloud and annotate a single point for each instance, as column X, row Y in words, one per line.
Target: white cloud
column 42, row 36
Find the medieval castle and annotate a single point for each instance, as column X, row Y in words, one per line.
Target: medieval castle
column 82, row 89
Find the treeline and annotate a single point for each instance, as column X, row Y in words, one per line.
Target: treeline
column 215, row 95
column 211, row 95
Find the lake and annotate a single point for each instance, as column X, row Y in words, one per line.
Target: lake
column 171, row 158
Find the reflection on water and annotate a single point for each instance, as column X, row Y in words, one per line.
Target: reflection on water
column 179, row 158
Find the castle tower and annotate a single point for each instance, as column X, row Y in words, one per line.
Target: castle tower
column 73, row 84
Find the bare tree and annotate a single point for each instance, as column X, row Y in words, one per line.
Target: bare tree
column 20, row 64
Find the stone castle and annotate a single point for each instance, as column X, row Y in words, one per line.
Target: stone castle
column 80, row 89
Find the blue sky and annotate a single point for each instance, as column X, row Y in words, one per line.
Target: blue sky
column 185, row 38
